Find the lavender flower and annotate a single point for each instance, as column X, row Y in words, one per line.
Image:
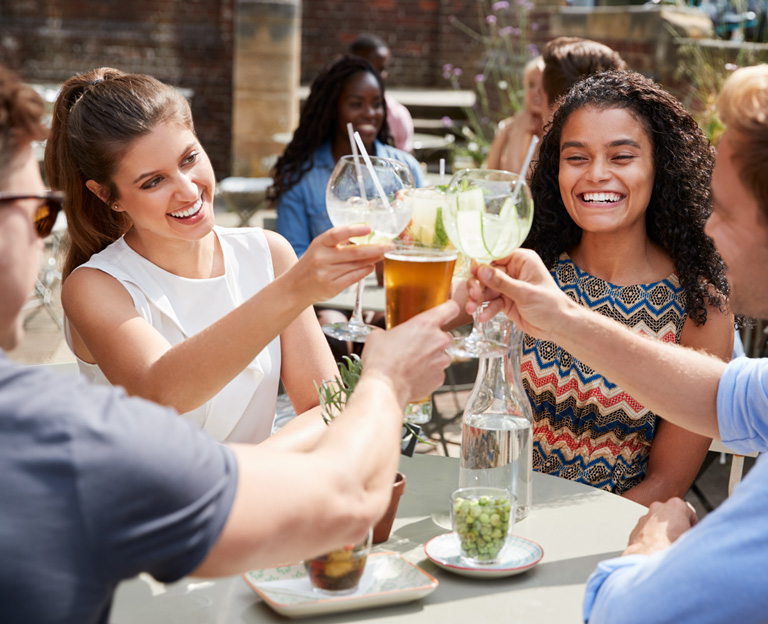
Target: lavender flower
column 479, row 78
column 497, row 6
column 533, row 50
column 447, row 121
column 491, row 19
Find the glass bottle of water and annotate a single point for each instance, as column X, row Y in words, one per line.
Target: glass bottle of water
column 496, row 445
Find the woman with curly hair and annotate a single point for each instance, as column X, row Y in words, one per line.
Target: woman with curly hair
column 349, row 90
column 621, row 191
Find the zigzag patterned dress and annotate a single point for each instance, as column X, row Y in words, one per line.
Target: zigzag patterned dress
column 587, row 429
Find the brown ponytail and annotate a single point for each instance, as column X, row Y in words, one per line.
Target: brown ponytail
column 96, row 117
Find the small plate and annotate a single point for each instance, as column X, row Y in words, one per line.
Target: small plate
column 518, row 556
column 388, row 580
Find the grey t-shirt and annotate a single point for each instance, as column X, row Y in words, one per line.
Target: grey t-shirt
column 96, row 487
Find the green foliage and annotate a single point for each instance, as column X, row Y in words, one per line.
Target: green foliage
column 502, row 29
column 335, row 393
column 704, row 69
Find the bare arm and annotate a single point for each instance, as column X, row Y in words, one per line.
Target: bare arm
column 135, row 355
column 291, row 505
column 499, row 144
column 675, row 381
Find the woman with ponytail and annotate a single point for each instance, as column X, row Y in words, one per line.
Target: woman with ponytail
column 163, row 302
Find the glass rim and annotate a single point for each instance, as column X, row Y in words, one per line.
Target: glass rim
column 490, row 491
column 426, row 252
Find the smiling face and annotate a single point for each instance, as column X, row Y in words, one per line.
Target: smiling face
column 362, row 105
column 606, row 170
column 534, row 91
column 165, row 183
column 739, row 227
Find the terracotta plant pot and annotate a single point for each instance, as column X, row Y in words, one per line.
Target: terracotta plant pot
column 384, row 526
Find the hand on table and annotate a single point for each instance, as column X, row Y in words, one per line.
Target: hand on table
column 521, row 287
column 412, row 355
column 660, row 527
column 329, row 265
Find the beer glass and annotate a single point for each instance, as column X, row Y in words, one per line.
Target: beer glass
column 417, row 275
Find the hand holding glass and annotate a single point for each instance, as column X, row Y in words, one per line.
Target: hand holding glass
column 352, row 197
column 487, row 217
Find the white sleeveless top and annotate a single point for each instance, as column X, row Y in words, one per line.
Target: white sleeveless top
column 178, row 307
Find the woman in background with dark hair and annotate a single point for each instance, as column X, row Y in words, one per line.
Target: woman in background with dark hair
column 349, row 90
column 621, row 190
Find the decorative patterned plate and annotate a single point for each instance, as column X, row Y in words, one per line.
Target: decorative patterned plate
column 518, row 556
column 388, row 580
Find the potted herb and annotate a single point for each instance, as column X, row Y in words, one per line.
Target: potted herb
column 333, row 395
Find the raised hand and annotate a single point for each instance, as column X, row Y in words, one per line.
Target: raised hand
column 412, row 355
column 521, row 287
column 329, row 265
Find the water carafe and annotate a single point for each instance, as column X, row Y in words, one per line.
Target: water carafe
column 496, row 444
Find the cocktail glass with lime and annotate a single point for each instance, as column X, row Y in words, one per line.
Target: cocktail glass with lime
column 487, row 216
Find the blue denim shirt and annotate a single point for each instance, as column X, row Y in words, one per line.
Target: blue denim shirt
column 301, row 213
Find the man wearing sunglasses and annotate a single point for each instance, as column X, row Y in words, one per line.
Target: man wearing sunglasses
column 96, row 487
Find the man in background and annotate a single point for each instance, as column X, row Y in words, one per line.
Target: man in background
column 377, row 53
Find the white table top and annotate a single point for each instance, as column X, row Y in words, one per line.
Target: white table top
column 576, row 525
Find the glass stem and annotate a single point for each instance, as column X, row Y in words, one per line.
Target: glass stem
column 477, row 332
column 357, row 313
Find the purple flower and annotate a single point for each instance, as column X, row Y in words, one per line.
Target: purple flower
column 533, row 50
column 451, row 19
column 507, row 30
column 731, row 67
column 457, row 71
column 535, row 26
column 491, row 19
column 447, row 67
column 517, row 32
column 479, row 78
column 497, row 6
column 447, row 121
column 484, row 120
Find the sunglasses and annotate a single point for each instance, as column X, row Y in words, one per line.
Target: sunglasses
column 47, row 211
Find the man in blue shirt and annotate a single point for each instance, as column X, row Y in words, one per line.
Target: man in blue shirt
column 675, row 569
column 96, row 487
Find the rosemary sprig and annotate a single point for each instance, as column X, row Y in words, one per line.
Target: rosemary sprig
column 335, row 393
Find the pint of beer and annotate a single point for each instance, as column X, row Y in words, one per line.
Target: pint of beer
column 415, row 280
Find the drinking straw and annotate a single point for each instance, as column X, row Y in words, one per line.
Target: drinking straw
column 526, row 164
column 369, row 164
column 360, row 181
column 442, row 171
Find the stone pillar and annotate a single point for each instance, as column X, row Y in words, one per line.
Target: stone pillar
column 266, row 79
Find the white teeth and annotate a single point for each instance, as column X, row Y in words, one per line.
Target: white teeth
column 367, row 127
column 601, row 197
column 189, row 211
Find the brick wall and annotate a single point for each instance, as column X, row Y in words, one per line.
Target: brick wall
column 423, row 35
column 187, row 44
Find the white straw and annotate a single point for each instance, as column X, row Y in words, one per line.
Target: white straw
column 526, row 164
column 360, row 181
column 369, row 164
column 442, row 171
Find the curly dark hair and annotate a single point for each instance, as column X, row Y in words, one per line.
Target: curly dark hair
column 318, row 121
column 680, row 200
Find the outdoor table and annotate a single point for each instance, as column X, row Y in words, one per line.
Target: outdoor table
column 576, row 525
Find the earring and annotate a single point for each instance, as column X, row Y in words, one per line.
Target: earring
column 114, row 207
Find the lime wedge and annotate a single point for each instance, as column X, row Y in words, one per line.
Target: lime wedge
column 472, row 199
column 469, row 224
